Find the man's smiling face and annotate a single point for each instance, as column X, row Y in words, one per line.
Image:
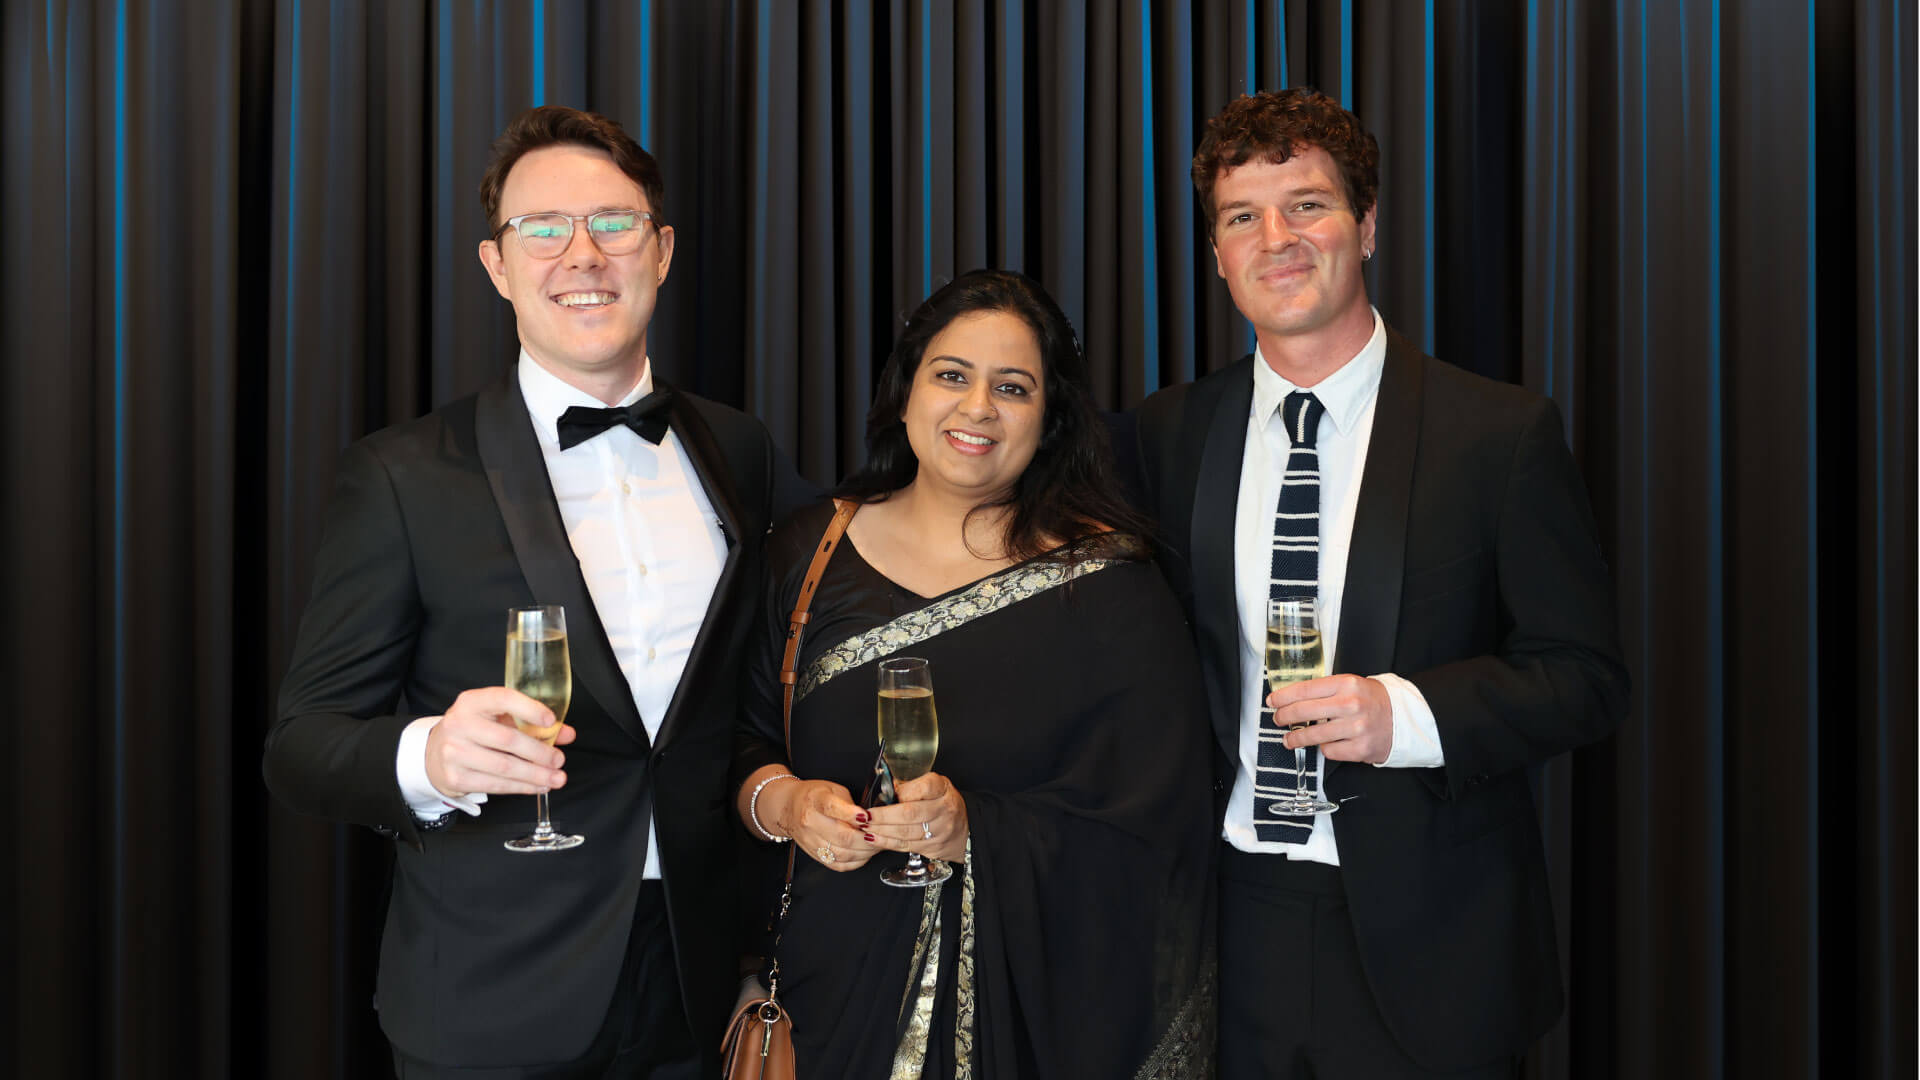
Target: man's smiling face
column 582, row 315
column 1287, row 243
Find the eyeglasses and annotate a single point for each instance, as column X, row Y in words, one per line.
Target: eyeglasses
column 547, row 235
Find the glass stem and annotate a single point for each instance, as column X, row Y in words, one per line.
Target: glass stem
column 544, row 829
column 1299, row 775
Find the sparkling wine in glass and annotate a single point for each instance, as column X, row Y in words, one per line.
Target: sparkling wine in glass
column 909, row 739
column 1294, row 655
column 538, row 667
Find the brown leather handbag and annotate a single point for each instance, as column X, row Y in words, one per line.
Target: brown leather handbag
column 759, row 1040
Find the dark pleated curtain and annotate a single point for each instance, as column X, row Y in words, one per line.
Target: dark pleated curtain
column 241, row 234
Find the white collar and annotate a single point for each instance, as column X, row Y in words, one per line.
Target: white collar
column 1344, row 394
column 548, row 396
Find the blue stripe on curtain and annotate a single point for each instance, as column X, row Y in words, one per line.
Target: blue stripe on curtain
column 926, row 147
column 1149, row 243
column 1716, row 712
column 1811, row 733
column 647, row 75
column 538, row 16
column 1346, row 53
column 1280, row 43
column 1252, row 14
column 121, row 825
column 1010, row 251
column 1429, row 306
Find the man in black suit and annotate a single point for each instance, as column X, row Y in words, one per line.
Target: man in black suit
column 578, row 479
column 1440, row 521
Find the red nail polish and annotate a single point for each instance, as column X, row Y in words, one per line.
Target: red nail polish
column 862, row 817
column 869, row 837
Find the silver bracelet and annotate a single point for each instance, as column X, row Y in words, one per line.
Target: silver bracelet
column 753, row 806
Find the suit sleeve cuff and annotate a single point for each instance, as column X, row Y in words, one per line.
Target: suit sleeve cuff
column 410, row 767
column 1416, row 737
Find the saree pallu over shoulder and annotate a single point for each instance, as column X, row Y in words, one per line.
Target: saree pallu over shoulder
column 983, row 597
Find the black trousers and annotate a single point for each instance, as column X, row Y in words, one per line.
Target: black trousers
column 644, row 1035
column 1294, row 1002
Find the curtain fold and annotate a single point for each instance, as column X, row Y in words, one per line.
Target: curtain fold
column 242, row 234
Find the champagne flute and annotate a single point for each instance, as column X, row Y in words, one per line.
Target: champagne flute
column 538, row 667
column 909, row 738
column 1294, row 655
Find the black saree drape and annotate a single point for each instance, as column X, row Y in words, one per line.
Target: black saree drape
column 1072, row 720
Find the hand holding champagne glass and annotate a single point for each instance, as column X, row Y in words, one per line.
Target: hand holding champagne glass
column 538, row 666
column 1294, row 654
column 909, row 739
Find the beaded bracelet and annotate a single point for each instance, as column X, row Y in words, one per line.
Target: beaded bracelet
column 753, row 806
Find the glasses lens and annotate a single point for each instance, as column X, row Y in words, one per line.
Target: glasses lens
column 545, row 236
column 617, row 231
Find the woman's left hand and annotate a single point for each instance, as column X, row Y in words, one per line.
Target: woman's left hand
column 930, row 818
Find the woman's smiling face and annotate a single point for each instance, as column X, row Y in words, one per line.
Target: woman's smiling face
column 978, row 405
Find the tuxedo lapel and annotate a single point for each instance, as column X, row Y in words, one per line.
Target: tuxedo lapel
column 1376, row 555
column 1216, row 496
column 517, row 472
column 709, row 464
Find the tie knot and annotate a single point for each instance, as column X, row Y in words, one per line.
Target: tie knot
column 1302, row 412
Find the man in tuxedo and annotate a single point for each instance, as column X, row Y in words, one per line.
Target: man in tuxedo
column 580, row 479
column 1440, row 522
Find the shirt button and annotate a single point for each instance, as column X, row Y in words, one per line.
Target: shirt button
column 650, row 654
column 626, row 488
column 643, row 569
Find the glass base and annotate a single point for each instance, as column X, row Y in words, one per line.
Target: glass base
column 1304, row 805
column 917, row 877
column 549, row 842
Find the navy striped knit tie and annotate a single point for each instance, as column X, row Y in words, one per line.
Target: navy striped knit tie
column 1295, row 572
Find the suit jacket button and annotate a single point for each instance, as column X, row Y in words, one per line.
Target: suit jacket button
column 1219, row 785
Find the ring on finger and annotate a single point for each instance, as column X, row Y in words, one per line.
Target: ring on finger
column 926, row 830
column 825, row 853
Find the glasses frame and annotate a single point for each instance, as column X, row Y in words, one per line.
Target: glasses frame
column 514, row 224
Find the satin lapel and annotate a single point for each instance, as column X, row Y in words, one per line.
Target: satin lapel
column 1216, row 496
column 709, row 464
column 1376, row 556
column 517, row 473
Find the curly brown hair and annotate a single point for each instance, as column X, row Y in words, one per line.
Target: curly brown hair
column 557, row 125
column 1277, row 124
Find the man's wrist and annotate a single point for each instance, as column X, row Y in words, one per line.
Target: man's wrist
column 431, row 807
column 1416, row 736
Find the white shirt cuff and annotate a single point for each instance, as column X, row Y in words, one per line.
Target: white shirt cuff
column 1416, row 738
column 410, row 767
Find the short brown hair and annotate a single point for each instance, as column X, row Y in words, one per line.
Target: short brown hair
column 1277, row 124
column 557, row 125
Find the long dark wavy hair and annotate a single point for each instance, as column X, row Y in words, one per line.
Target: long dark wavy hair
column 1063, row 504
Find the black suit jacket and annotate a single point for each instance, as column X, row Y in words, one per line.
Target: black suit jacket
column 436, row 528
column 1475, row 572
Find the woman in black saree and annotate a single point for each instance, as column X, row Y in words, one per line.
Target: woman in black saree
column 1071, row 788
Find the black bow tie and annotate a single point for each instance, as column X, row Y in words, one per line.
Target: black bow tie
column 647, row 417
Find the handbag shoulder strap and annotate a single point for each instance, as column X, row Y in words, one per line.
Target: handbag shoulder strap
column 844, row 509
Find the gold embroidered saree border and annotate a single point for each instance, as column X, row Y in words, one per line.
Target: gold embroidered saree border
column 923, row 985
column 983, row 597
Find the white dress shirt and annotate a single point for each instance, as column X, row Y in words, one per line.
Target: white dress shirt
column 1345, row 429
column 650, row 549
